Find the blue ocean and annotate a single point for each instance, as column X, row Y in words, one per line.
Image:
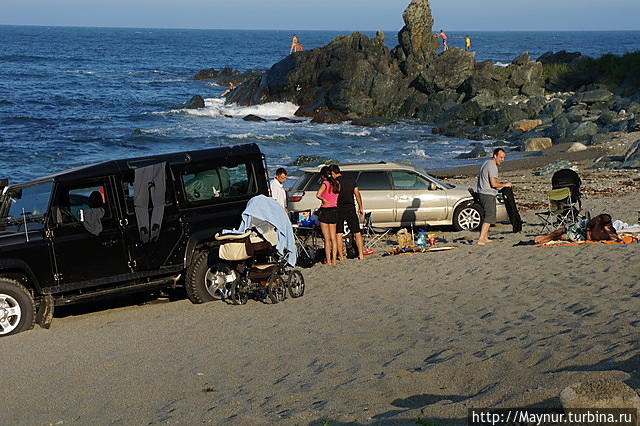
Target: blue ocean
column 74, row 96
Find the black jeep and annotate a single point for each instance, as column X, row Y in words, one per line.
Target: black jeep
column 119, row 226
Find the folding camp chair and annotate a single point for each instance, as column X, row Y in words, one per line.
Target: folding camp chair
column 563, row 210
column 371, row 233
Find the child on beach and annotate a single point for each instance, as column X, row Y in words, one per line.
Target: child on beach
column 328, row 214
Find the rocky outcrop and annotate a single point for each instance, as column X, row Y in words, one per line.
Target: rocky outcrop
column 417, row 45
column 632, row 157
column 560, row 57
column 226, row 76
column 353, row 76
column 195, row 102
column 536, row 144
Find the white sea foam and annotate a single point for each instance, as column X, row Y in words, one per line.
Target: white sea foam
column 273, row 136
column 215, row 107
column 364, row 132
column 420, row 153
column 312, row 143
column 501, row 64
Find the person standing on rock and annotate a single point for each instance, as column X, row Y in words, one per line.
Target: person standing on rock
column 487, row 189
column 444, row 41
column 347, row 211
column 295, row 45
column 467, row 43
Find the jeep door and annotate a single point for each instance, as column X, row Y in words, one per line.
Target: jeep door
column 88, row 243
column 377, row 197
column 418, row 200
column 163, row 252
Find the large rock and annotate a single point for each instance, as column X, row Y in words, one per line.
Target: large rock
column 599, row 394
column 371, row 122
column 561, row 57
column 632, row 157
column 526, row 125
column 417, row 44
column 448, row 71
column 226, row 75
column 252, row 117
column 326, row 117
column 537, row 144
column 577, row 147
column 429, row 111
column 593, row 96
column 352, row 75
column 467, row 112
column 195, row 102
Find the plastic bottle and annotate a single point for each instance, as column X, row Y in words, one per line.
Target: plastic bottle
column 421, row 240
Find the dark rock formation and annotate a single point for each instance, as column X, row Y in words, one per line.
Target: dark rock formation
column 252, row 117
column 327, row 117
column 226, row 76
column 371, row 122
column 194, row 103
column 560, row 57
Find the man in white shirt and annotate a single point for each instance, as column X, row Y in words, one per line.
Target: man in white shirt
column 277, row 190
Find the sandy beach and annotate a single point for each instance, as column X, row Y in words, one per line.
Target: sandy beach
column 388, row 340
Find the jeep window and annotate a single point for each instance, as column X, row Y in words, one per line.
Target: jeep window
column 72, row 202
column 409, row 181
column 129, row 192
column 30, row 201
column 374, row 181
column 219, row 183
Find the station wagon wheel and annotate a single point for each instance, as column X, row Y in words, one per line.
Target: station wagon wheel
column 276, row 288
column 467, row 217
column 17, row 308
column 295, row 283
column 239, row 293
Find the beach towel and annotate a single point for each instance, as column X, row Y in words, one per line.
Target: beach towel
column 626, row 240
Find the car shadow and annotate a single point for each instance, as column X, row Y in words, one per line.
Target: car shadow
column 105, row 303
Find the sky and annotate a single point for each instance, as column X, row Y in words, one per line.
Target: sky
column 452, row 15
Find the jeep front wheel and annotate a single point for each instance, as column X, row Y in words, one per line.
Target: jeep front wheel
column 17, row 308
column 206, row 283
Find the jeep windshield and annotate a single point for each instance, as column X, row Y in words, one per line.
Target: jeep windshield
column 25, row 202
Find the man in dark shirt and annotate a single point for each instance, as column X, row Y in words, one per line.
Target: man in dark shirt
column 347, row 210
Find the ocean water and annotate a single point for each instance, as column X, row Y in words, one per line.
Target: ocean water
column 73, row 96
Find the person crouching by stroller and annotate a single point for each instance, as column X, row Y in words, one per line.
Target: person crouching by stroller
column 328, row 214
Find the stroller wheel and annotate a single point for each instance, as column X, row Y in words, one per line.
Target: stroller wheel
column 238, row 293
column 276, row 288
column 295, row 283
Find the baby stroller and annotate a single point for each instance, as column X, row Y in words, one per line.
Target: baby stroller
column 565, row 203
column 260, row 255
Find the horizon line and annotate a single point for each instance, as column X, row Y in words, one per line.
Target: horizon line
column 307, row 30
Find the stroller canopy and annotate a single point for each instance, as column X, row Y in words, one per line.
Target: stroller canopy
column 262, row 209
column 567, row 178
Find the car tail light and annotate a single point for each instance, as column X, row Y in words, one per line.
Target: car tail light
column 295, row 197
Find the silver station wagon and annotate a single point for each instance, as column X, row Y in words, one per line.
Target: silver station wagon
column 399, row 195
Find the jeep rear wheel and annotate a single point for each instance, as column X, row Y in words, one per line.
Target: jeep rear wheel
column 204, row 283
column 467, row 217
column 17, row 308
